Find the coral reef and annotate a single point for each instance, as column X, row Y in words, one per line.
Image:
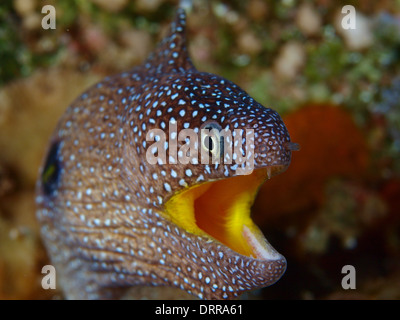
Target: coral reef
column 331, row 146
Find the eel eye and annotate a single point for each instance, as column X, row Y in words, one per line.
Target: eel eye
column 51, row 170
column 211, row 139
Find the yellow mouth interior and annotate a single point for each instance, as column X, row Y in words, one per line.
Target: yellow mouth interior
column 221, row 209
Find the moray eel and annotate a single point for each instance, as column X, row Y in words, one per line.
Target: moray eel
column 112, row 219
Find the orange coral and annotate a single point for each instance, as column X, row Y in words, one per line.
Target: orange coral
column 331, row 146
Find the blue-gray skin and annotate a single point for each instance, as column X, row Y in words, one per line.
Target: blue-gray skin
column 101, row 205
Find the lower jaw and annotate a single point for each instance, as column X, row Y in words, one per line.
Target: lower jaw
column 221, row 210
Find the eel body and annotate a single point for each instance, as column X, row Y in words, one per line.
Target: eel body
column 114, row 213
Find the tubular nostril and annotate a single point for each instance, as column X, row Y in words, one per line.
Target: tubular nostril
column 292, row 146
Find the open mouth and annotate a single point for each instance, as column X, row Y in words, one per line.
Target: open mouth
column 221, row 209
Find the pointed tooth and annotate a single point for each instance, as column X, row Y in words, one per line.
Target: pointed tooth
column 269, row 172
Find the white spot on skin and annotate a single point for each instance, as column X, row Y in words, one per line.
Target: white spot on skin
column 167, row 187
column 173, row 173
